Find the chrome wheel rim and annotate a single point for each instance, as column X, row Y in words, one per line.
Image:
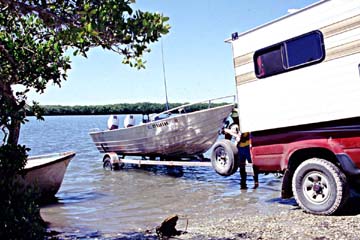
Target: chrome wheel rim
column 221, row 157
column 316, row 187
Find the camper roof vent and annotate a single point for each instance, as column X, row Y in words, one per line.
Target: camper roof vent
column 234, row 36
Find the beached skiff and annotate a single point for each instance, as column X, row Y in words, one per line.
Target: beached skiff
column 46, row 172
column 178, row 135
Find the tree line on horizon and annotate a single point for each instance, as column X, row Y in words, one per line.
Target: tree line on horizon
column 120, row 108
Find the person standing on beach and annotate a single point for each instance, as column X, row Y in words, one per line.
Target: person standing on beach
column 242, row 141
column 243, row 145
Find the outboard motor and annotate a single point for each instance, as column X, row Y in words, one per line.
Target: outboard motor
column 145, row 118
column 129, row 121
column 113, row 122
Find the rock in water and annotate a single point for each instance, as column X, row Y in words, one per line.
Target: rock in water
column 167, row 227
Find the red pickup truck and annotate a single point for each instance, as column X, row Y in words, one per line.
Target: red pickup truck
column 319, row 162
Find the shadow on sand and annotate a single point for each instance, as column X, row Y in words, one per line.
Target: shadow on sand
column 351, row 208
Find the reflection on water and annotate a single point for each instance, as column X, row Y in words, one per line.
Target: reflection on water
column 92, row 200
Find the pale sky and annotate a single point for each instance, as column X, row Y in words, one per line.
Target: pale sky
column 198, row 63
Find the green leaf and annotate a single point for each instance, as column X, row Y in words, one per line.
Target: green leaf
column 88, row 27
column 86, row 6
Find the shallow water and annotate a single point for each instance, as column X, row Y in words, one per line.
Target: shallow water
column 93, row 201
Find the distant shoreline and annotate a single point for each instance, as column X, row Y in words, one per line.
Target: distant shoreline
column 121, row 108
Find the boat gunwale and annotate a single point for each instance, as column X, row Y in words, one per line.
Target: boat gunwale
column 62, row 157
column 208, row 101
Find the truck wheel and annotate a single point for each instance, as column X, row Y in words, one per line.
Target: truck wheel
column 320, row 187
column 224, row 158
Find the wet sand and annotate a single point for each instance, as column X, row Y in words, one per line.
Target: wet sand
column 287, row 222
column 291, row 223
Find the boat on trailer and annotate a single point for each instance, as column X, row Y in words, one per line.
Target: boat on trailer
column 174, row 133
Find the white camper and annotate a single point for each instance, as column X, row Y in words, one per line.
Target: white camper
column 301, row 68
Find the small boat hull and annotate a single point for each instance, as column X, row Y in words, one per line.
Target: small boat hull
column 46, row 172
column 179, row 135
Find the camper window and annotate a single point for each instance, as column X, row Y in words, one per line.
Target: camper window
column 303, row 50
column 269, row 62
column 291, row 54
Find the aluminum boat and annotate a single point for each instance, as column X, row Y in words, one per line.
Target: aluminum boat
column 179, row 134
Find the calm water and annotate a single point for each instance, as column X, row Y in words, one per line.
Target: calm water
column 133, row 199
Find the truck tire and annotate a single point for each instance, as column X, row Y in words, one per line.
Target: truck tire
column 320, row 187
column 224, row 158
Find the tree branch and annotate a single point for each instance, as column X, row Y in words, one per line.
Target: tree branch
column 42, row 11
column 11, row 60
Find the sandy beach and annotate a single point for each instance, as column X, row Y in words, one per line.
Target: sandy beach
column 290, row 223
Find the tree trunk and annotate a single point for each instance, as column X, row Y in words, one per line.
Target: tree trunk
column 14, row 132
column 12, row 106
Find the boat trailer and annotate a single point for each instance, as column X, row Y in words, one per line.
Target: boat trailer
column 111, row 161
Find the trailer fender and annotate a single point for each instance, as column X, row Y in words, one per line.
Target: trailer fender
column 111, row 161
column 113, row 157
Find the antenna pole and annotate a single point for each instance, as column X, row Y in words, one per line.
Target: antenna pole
column 163, row 66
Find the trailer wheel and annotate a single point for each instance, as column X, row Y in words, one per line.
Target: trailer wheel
column 320, row 187
column 224, row 158
column 107, row 165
